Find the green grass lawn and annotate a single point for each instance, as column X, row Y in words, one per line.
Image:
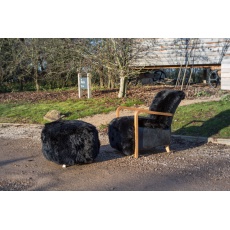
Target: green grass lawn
column 208, row 119
column 203, row 119
column 72, row 109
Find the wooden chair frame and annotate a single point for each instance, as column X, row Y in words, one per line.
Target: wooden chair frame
column 137, row 111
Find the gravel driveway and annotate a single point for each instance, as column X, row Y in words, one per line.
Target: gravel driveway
column 192, row 165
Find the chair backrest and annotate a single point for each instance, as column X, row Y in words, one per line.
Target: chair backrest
column 166, row 101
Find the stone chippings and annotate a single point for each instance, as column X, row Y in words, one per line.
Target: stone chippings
column 16, row 185
column 191, row 165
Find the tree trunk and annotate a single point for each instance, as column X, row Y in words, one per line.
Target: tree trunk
column 112, row 83
column 36, row 80
column 123, row 87
column 21, row 85
column 109, row 81
column 101, row 77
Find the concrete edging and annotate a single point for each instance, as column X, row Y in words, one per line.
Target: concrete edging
column 18, row 124
column 204, row 139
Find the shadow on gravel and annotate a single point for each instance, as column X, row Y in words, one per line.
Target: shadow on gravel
column 180, row 144
column 2, row 163
column 107, row 153
column 207, row 128
column 207, row 176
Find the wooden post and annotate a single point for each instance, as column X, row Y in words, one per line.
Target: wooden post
column 205, row 80
column 89, row 85
column 167, row 148
column 136, row 134
column 79, row 85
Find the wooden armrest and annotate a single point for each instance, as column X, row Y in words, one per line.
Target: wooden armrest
column 141, row 111
column 137, row 112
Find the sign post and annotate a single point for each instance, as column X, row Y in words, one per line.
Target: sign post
column 89, row 85
column 84, row 83
column 79, row 85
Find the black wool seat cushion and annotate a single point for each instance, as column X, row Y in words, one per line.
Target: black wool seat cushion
column 70, row 142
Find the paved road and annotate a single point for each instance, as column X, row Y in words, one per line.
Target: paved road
column 191, row 166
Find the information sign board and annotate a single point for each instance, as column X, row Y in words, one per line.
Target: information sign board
column 84, row 83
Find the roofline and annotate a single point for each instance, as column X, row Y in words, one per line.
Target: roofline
column 212, row 66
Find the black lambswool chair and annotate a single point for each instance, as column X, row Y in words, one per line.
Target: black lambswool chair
column 129, row 134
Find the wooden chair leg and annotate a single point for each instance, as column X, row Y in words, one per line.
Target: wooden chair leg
column 167, row 148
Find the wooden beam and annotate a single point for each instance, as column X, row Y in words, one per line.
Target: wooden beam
column 173, row 66
column 167, row 148
column 141, row 111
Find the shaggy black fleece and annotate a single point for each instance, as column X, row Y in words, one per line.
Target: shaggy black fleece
column 70, row 142
column 121, row 130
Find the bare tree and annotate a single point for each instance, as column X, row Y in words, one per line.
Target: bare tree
column 53, row 60
column 10, row 58
column 116, row 55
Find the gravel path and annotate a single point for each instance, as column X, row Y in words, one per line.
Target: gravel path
column 190, row 166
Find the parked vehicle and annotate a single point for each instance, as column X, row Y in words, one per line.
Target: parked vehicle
column 154, row 77
column 214, row 78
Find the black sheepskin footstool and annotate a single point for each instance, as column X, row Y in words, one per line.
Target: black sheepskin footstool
column 70, row 142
